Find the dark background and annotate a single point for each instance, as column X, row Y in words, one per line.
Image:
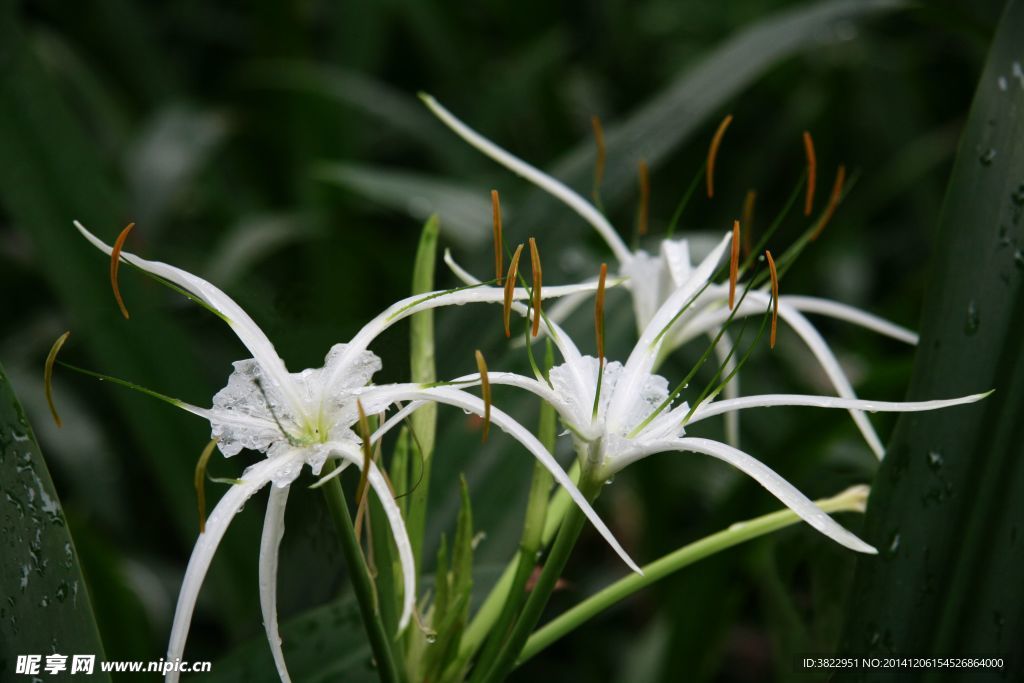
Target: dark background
column 210, row 126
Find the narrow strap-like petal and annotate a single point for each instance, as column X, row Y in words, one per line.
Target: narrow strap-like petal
column 248, row 332
column 551, row 185
column 834, row 309
column 559, row 313
column 772, row 400
column 270, row 543
column 466, row 401
column 766, row 477
column 399, row 533
column 254, row 478
column 641, row 360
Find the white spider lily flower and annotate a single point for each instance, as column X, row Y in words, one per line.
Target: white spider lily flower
column 652, row 278
column 632, row 417
column 307, row 418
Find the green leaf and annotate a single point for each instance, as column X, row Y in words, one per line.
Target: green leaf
column 946, row 508
column 46, row 605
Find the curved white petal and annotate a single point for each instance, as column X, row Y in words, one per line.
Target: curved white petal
column 771, row 400
column 254, row 478
column 466, row 401
column 552, row 186
column 398, row 531
column 834, row 309
column 422, row 302
column 766, row 477
column 558, row 313
column 270, row 543
column 641, row 359
column 247, row 331
column 755, row 304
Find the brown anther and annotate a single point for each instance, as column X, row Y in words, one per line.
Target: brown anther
column 51, row 358
column 499, row 245
column 747, row 221
column 364, row 435
column 115, row 265
column 812, row 173
column 734, row 263
column 643, row 212
column 775, row 297
column 833, row 201
column 713, row 153
column 599, row 314
column 602, row 152
column 200, row 482
column 510, row 286
column 485, row 389
column 537, row 303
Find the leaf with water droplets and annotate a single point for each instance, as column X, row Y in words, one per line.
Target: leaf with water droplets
column 47, row 608
column 952, row 480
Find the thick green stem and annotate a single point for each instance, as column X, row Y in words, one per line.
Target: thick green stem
column 541, row 593
column 851, row 500
column 362, row 584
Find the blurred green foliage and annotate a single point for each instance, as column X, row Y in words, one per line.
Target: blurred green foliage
column 278, row 149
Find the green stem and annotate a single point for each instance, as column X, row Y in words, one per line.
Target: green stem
column 488, row 613
column 541, row 593
column 529, row 546
column 852, row 500
column 362, row 584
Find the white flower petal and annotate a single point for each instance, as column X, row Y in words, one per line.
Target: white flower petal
column 834, row 309
column 398, row 531
column 466, row 401
column 552, row 186
column 772, row 400
column 641, row 360
column 270, row 543
column 254, row 478
column 247, row 331
column 766, row 477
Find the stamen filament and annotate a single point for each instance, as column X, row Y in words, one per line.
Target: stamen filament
column 643, row 213
column 510, row 285
column 115, row 265
column 48, row 374
column 734, row 263
column 364, row 435
column 775, row 297
column 812, row 172
column 499, row 253
column 747, row 220
column 602, row 154
column 537, row 301
column 485, row 390
column 713, row 153
column 833, row 201
column 200, row 482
